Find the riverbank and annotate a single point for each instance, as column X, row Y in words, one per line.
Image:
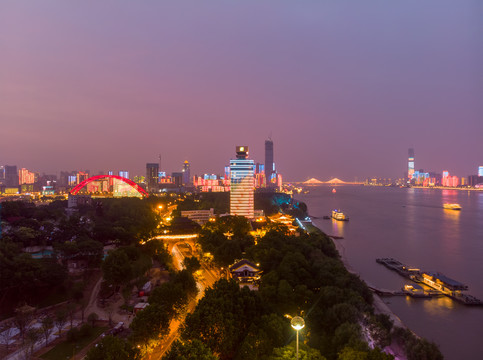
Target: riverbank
column 379, row 306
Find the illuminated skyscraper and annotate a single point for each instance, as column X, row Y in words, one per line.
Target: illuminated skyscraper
column 480, row 170
column 242, row 184
column 26, row 177
column 152, row 170
column 410, row 164
column 186, row 174
column 269, row 165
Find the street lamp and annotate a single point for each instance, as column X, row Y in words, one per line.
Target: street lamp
column 298, row 324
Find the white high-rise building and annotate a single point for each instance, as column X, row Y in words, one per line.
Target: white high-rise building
column 242, row 184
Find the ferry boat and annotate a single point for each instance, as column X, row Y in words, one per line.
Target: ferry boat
column 452, row 206
column 339, row 215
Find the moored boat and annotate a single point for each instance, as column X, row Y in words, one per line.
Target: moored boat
column 339, row 215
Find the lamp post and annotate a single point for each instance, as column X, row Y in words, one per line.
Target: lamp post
column 298, row 324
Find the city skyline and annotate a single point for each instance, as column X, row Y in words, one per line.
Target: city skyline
column 342, row 90
column 184, row 169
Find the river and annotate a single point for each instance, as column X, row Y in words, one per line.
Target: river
column 411, row 226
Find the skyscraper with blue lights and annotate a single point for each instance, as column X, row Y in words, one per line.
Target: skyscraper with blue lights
column 242, row 184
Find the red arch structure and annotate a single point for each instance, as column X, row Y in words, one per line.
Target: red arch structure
column 135, row 186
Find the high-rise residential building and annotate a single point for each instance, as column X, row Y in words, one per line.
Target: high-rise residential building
column 26, row 177
column 2, row 173
column 11, row 176
column 480, row 170
column 124, row 174
column 242, row 184
column 186, row 174
column 152, row 170
column 72, row 180
column 410, row 164
column 269, row 164
column 177, row 178
column 474, row 180
column 82, row 176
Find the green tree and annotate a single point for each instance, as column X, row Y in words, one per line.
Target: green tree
column 289, row 352
column 222, row 317
column 31, row 337
column 349, row 353
column 116, row 268
column 92, row 318
column 23, row 317
column 60, row 319
column 189, row 350
column 113, row 348
column 192, row 264
column 150, row 323
column 170, row 296
column 47, row 328
column 91, row 250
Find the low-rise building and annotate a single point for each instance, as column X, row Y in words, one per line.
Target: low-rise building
column 199, row 216
column 246, row 273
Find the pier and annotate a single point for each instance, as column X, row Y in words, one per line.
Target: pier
column 441, row 284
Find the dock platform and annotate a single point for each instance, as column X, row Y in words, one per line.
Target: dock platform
column 441, row 284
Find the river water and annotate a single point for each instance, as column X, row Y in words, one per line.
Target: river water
column 411, row 226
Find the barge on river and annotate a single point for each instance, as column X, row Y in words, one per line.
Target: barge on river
column 435, row 280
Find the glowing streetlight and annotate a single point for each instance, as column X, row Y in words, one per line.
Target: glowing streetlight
column 298, row 324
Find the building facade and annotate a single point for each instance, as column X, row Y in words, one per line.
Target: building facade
column 186, row 174
column 152, row 179
column 242, row 184
column 11, row 176
column 269, row 164
column 26, row 177
column 124, row 174
column 410, row 164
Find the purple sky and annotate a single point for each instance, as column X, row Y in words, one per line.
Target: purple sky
column 343, row 87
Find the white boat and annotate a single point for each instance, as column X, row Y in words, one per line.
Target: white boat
column 339, row 215
column 452, row 206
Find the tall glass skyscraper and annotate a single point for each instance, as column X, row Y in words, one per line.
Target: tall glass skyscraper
column 242, row 184
column 186, row 174
column 269, row 166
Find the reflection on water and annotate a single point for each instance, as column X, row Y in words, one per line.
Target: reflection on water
column 412, row 226
column 438, row 306
column 451, row 214
column 338, row 227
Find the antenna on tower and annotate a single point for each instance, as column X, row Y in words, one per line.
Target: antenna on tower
column 270, row 136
